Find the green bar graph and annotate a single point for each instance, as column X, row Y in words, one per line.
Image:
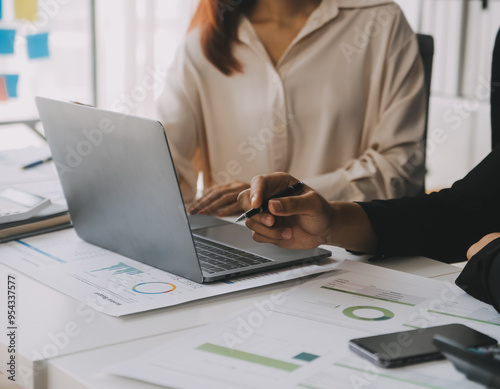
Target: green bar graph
column 248, row 357
column 465, row 317
column 367, row 295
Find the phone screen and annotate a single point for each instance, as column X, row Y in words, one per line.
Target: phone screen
column 415, row 346
column 21, row 197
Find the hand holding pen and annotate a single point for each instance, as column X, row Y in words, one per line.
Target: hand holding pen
column 300, row 220
column 290, row 191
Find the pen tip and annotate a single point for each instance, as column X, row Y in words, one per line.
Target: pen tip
column 240, row 218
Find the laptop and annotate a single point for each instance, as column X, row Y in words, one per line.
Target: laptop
column 123, row 195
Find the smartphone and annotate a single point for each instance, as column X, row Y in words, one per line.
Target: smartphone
column 16, row 205
column 415, row 346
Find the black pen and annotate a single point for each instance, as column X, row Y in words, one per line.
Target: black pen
column 36, row 163
column 291, row 190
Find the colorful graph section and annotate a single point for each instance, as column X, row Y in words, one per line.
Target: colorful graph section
column 120, row 268
column 307, row 357
column 154, row 287
column 368, row 313
column 249, row 357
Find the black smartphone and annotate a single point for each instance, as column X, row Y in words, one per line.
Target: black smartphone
column 415, row 346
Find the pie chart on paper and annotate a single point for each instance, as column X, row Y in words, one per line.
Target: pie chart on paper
column 154, row 287
column 368, row 313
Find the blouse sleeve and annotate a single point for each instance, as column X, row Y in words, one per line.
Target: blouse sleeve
column 391, row 161
column 441, row 225
column 179, row 110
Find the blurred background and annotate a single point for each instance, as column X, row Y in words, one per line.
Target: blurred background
column 115, row 53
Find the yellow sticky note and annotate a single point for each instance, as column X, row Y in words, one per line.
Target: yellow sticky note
column 26, row 9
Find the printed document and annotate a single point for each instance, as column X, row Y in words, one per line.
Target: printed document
column 117, row 285
column 300, row 339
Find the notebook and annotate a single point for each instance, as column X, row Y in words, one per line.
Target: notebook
column 123, row 195
column 53, row 218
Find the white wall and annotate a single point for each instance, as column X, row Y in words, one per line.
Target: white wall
column 137, row 40
column 459, row 132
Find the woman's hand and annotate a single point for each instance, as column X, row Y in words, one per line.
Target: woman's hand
column 220, row 199
column 476, row 247
column 298, row 222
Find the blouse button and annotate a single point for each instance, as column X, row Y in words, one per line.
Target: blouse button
column 279, row 129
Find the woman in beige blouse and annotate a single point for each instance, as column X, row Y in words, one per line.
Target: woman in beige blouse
column 330, row 91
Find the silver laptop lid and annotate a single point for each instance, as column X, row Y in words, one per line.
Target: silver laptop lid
column 107, row 202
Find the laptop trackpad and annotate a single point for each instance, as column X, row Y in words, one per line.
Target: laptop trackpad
column 204, row 221
column 230, row 234
column 240, row 237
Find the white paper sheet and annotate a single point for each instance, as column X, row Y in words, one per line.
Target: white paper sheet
column 42, row 179
column 117, row 285
column 300, row 340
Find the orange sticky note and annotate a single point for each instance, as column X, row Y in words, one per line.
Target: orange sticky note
column 3, row 89
column 26, row 9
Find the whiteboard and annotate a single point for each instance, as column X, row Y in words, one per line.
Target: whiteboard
column 66, row 74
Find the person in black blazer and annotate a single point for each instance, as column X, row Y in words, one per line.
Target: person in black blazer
column 454, row 224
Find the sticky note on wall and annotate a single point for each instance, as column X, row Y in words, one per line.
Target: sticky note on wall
column 11, row 81
column 7, row 41
column 38, row 45
column 26, row 9
column 3, row 89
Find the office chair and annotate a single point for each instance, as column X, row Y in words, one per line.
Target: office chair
column 426, row 48
column 495, row 94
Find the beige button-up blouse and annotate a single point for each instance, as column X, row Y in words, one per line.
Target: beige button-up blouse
column 342, row 110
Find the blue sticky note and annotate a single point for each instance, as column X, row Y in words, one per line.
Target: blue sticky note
column 7, row 41
column 11, row 83
column 38, row 45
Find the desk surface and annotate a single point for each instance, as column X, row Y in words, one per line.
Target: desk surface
column 88, row 369
column 63, row 343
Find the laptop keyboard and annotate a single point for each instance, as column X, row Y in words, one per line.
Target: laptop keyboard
column 216, row 258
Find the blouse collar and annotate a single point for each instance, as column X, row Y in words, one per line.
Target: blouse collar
column 326, row 11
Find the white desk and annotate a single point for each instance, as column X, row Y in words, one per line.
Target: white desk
column 64, row 344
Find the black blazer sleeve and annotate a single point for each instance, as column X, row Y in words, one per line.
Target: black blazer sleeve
column 481, row 274
column 441, row 225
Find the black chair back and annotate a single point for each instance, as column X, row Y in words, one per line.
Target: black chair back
column 495, row 94
column 426, row 48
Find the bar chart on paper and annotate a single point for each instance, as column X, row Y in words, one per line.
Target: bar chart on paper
column 369, row 303
column 364, row 287
column 120, row 268
column 104, row 280
column 114, row 284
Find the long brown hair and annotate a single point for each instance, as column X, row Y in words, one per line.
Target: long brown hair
column 219, row 20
